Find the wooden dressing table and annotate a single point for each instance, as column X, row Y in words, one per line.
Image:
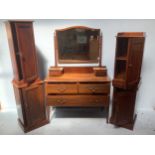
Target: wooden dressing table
column 78, row 86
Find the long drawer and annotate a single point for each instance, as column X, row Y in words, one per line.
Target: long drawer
column 78, row 100
column 94, row 88
column 61, row 88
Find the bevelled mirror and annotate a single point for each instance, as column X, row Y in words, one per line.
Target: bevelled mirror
column 77, row 44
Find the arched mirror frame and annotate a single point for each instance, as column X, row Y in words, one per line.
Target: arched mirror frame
column 57, row 61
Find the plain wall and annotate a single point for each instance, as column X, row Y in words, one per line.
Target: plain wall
column 44, row 34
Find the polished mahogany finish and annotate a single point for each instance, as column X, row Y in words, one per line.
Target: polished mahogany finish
column 28, row 88
column 128, row 62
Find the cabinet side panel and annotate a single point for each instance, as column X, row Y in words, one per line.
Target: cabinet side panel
column 9, row 30
column 19, row 102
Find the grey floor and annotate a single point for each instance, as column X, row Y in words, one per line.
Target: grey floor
column 75, row 121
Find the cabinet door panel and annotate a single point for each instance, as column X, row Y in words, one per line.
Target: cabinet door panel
column 124, row 106
column 34, row 103
column 135, row 60
column 26, row 50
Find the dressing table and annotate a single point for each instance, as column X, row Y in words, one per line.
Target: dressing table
column 70, row 85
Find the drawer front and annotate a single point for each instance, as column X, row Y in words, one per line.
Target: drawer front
column 61, row 89
column 99, row 88
column 78, row 100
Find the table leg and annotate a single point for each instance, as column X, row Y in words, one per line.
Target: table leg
column 107, row 113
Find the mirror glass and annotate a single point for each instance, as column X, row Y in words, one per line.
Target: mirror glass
column 78, row 45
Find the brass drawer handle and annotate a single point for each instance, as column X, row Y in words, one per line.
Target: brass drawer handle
column 61, row 89
column 97, row 101
column 92, row 89
column 61, row 101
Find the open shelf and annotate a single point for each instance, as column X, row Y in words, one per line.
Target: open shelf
column 120, row 70
column 120, row 75
column 121, row 58
column 122, row 47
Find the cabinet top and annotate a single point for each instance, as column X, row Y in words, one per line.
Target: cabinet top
column 20, row 21
column 77, row 74
column 77, row 77
column 131, row 34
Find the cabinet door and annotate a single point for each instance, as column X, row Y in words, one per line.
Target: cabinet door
column 34, row 103
column 124, row 101
column 135, row 60
column 26, row 50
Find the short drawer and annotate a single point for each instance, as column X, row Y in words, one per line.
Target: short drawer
column 99, row 88
column 78, row 100
column 61, row 88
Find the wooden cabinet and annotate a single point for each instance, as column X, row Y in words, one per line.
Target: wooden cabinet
column 28, row 88
column 128, row 62
column 77, row 87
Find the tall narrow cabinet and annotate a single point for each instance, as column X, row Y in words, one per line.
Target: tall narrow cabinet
column 28, row 87
column 128, row 62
